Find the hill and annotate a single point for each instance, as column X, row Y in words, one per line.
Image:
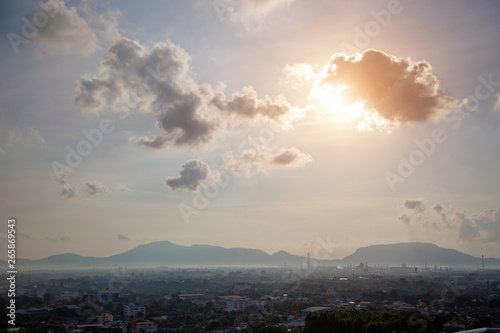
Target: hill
column 165, row 253
column 417, row 254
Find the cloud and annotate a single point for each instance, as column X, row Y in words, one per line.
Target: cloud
column 106, row 25
column 265, row 159
column 298, row 74
column 396, row 89
column 2, row 152
column 443, row 220
column 496, row 108
column 66, row 189
column 412, row 209
column 480, row 227
column 96, row 188
column 417, row 212
column 245, row 104
column 65, row 239
column 65, row 31
column 193, row 175
column 159, row 79
column 33, row 140
column 417, row 205
column 15, row 136
column 121, row 187
column 182, row 125
column 250, row 13
column 122, row 237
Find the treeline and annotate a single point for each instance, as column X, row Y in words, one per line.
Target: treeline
column 362, row 321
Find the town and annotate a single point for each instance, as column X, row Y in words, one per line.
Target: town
column 254, row 299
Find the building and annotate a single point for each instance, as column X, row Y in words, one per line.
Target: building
column 242, row 286
column 133, row 310
column 104, row 318
column 66, row 295
column 147, row 326
column 315, row 309
column 35, row 312
column 231, row 303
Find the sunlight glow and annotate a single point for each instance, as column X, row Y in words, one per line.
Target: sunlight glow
column 332, row 98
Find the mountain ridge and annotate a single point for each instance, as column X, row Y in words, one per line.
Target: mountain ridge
column 415, row 253
column 165, row 253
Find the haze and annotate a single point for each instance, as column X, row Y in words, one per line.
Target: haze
column 275, row 125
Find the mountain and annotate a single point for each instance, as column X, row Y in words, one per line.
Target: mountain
column 165, row 253
column 61, row 259
column 417, row 254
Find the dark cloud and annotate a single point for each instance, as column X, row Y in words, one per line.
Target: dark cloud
column 439, row 210
column 246, row 104
column 412, row 209
column 265, row 159
column 66, row 189
column 122, row 237
column 417, row 205
column 398, row 89
column 193, row 175
column 159, row 79
column 182, row 125
column 417, row 211
column 96, row 188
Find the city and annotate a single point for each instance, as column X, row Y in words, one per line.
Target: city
column 264, row 299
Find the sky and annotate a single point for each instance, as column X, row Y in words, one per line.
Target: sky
column 305, row 126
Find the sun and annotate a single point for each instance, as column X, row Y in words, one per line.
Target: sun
column 332, row 98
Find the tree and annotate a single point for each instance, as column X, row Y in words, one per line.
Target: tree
column 274, row 319
column 494, row 303
column 213, row 325
column 110, row 306
column 209, row 306
column 48, row 297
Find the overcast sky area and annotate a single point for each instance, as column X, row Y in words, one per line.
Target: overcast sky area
column 267, row 124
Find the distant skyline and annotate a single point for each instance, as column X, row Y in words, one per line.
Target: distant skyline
column 276, row 125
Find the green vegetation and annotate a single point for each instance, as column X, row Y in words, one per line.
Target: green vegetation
column 362, row 321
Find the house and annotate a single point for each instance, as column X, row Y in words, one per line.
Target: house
column 242, row 286
column 132, row 310
column 147, row 326
column 240, row 303
column 104, row 318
